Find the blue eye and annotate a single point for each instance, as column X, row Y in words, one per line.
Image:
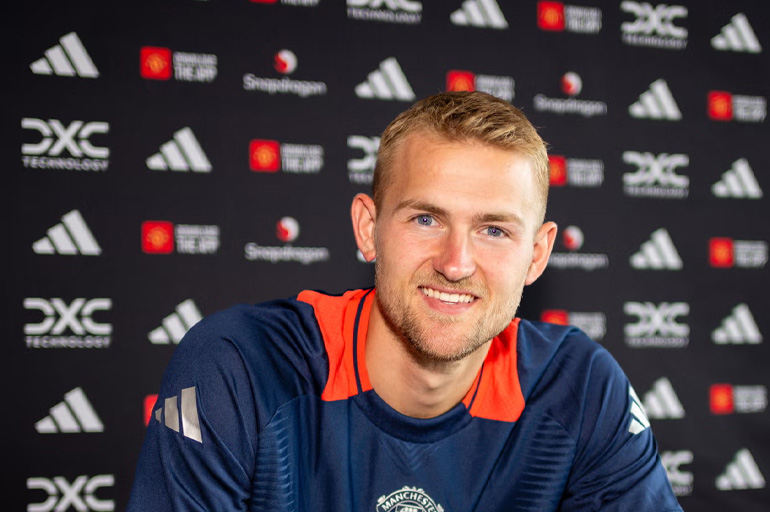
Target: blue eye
column 424, row 220
column 495, row 232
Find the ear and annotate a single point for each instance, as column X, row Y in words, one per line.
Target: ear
column 544, row 240
column 364, row 214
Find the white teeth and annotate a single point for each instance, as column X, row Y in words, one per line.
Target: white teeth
column 453, row 298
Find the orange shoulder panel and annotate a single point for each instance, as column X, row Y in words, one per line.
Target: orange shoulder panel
column 336, row 317
column 499, row 395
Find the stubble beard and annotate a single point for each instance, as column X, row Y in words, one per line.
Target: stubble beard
column 440, row 339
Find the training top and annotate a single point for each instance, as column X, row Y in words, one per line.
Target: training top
column 270, row 408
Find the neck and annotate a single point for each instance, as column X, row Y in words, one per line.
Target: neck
column 412, row 385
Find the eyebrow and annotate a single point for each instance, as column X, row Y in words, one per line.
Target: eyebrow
column 478, row 218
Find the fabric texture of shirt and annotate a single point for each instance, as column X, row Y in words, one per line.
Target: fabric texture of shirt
column 270, row 408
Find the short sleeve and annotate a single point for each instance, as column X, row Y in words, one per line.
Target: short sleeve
column 616, row 465
column 198, row 453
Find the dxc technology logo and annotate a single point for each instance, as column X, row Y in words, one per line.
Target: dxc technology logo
column 361, row 170
column 657, row 326
column 75, row 318
column 57, row 137
column 656, row 176
column 654, row 26
column 79, row 494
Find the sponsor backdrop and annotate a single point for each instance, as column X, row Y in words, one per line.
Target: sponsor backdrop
column 172, row 158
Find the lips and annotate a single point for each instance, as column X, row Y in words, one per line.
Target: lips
column 451, row 298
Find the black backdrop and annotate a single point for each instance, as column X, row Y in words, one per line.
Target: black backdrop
column 650, row 162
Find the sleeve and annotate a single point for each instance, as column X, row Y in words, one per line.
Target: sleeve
column 198, row 453
column 616, row 465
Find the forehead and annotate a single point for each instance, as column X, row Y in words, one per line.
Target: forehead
column 464, row 174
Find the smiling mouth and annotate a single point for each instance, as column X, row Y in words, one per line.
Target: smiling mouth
column 449, row 298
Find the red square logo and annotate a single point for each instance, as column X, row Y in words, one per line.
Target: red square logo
column 264, row 155
column 460, row 81
column 157, row 237
column 149, row 403
column 557, row 165
column 721, row 253
column 155, row 63
column 721, row 399
column 555, row 316
column 720, row 105
column 550, row 16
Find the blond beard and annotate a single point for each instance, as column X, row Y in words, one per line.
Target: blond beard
column 422, row 341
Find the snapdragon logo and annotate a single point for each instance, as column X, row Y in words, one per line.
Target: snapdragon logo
column 407, row 12
column 571, row 85
column 80, row 494
column 67, row 325
column 654, row 27
column 656, row 175
column 657, row 325
column 285, row 62
column 361, row 169
column 287, row 229
column 572, row 239
column 56, row 137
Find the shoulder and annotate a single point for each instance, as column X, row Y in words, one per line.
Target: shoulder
column 266, row 353
column 560, row 354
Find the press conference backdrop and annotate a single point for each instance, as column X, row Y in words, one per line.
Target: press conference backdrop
column 172, row 158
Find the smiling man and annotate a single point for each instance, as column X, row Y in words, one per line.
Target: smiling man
column 425, row 393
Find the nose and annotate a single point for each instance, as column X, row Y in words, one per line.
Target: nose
column 454, row 259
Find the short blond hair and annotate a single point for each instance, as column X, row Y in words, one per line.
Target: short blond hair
column 459, row 116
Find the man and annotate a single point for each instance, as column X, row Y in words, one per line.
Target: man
column 424, row 394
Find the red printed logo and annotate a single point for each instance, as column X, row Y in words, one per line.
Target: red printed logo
column 558, row 170
column 287, row 229
column 721, row 252
column 460, row 81
column 149, row 403
column 555, row 316
column 550, row 16
column 155, row 63
column 720, row 105
column 264, row 155
column 571, row 83
column 721, row 399
column 573, row 238
column 157, row 237
column 285, row 62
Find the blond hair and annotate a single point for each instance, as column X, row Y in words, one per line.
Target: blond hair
column 459, row 116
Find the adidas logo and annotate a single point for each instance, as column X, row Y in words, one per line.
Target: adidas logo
column 74, row 414
column 176, row 325
column 738, row 328
column 71, row 236
column 182, row 153
column 657, row 253
column 479, row 13
column 169, row 414
column 737, row 36
column 741, row 473
column 661, row 402
column 738, row 181
column 656, row 103
column 386, row 83
column 66, row 59
column 639, row 420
